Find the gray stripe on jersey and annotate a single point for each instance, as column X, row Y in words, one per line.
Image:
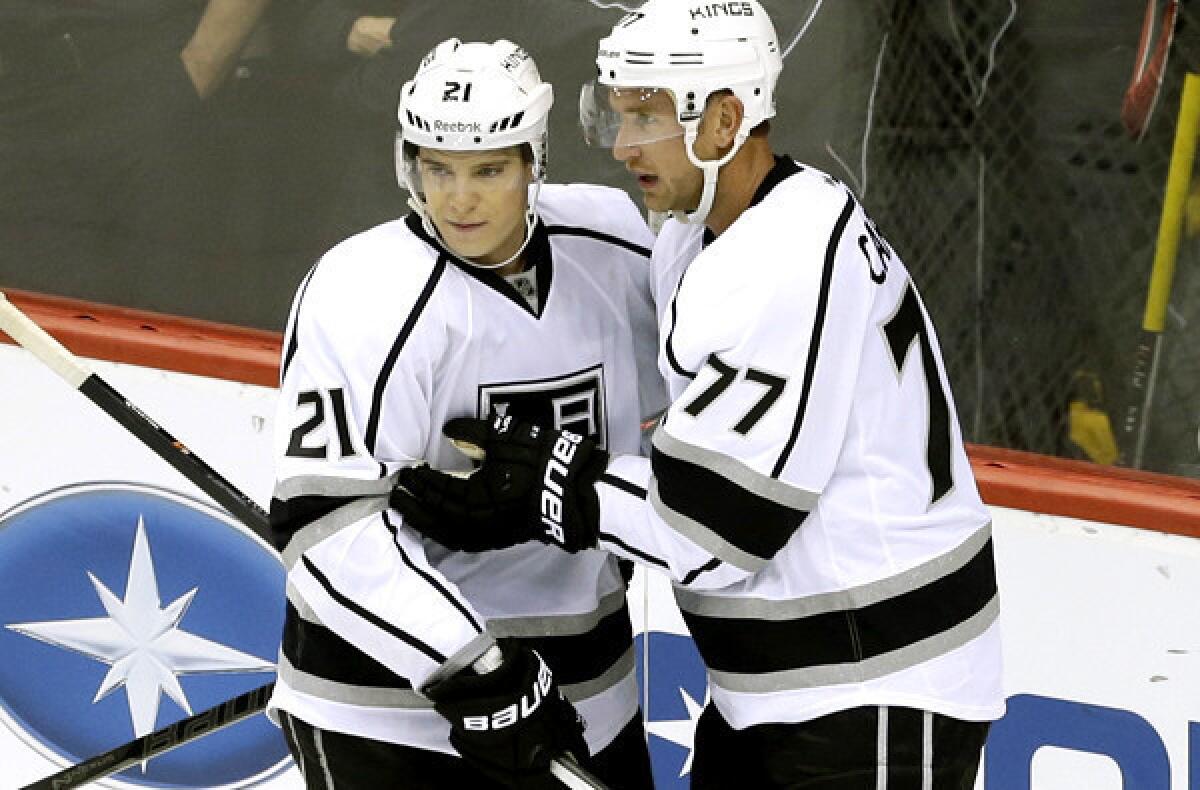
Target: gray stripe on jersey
column 881, row 750
column 736, row 472
column 702, row 536
column 332, row 690
column 326, row 485
column 330, row 524
column 555, row 624
column 302, row 608
column 867, row 669
column 323, row 758
column 620, row 670
column 464, row 657
column 927, row 750
column 854, row 598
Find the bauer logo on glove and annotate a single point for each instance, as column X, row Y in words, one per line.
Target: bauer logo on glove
column 523, row 709
column 533, row 484
column 554, row 482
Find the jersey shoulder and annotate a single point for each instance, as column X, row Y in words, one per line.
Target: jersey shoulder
column 803, row 212
column 769, row 265
column 367, row 283
column 595, row 210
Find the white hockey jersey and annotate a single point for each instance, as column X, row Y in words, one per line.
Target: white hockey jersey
column 389, row 337
column 808, row 489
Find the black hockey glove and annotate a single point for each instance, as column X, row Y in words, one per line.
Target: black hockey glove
column 534, row 484
column 511, row 722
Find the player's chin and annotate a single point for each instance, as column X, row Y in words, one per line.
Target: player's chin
column 468, row 247
column 657, row 201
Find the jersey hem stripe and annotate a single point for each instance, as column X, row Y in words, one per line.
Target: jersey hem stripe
column 838, row 640
column 710, row 605
column 866, row 669
column 347, row 693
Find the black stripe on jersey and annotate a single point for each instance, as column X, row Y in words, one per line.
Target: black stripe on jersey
column 669, row 346
column 613, row 539
column 293, row 341
column 633, row 490
column 385, row 373
column 814, row 343
column 568, row 230
column 315, row 649
column 712, row 564
column 290, row 516
column 752, row 523
column 619, row 482
column 579, row 658
column 846, row 636
column 430, row 579
column 370, row 616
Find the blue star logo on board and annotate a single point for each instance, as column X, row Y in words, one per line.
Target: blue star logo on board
column 94, row 658
column 677, row 695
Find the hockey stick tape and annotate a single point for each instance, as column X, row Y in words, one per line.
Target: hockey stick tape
column 38, row 342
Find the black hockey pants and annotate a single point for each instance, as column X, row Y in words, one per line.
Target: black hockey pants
column 868, row 748
column 334, row 761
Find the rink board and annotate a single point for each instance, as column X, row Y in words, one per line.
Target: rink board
column 1099, row 576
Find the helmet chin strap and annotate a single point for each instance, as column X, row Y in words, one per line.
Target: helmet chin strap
column 711, row 170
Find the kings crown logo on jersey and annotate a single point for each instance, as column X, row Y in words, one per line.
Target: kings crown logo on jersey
column 574, row 402
column 125, row 608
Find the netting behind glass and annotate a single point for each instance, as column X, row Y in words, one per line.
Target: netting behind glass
column 985, row 137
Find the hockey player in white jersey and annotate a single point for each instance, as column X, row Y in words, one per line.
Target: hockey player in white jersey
column 496, row 295
column 808, row 490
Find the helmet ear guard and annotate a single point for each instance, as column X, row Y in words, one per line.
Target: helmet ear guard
column 693, row 52
column 473, row 97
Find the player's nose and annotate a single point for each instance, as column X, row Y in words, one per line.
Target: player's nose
column 624, row 149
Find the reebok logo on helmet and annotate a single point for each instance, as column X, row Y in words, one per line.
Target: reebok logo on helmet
column 457, row 126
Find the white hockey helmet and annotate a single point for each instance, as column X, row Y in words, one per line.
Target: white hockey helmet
column 691, row 50
column 473, row 97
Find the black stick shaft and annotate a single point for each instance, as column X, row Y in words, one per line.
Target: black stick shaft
column 174, row 452
column 163, row 740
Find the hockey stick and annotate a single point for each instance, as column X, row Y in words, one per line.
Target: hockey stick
column 1149, row 348
column 1141, row 96
column 209, row 721
column 157, row 742
column 54, row 355
column 38, row 342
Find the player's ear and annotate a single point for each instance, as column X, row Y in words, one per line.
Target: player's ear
column 724, row 116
